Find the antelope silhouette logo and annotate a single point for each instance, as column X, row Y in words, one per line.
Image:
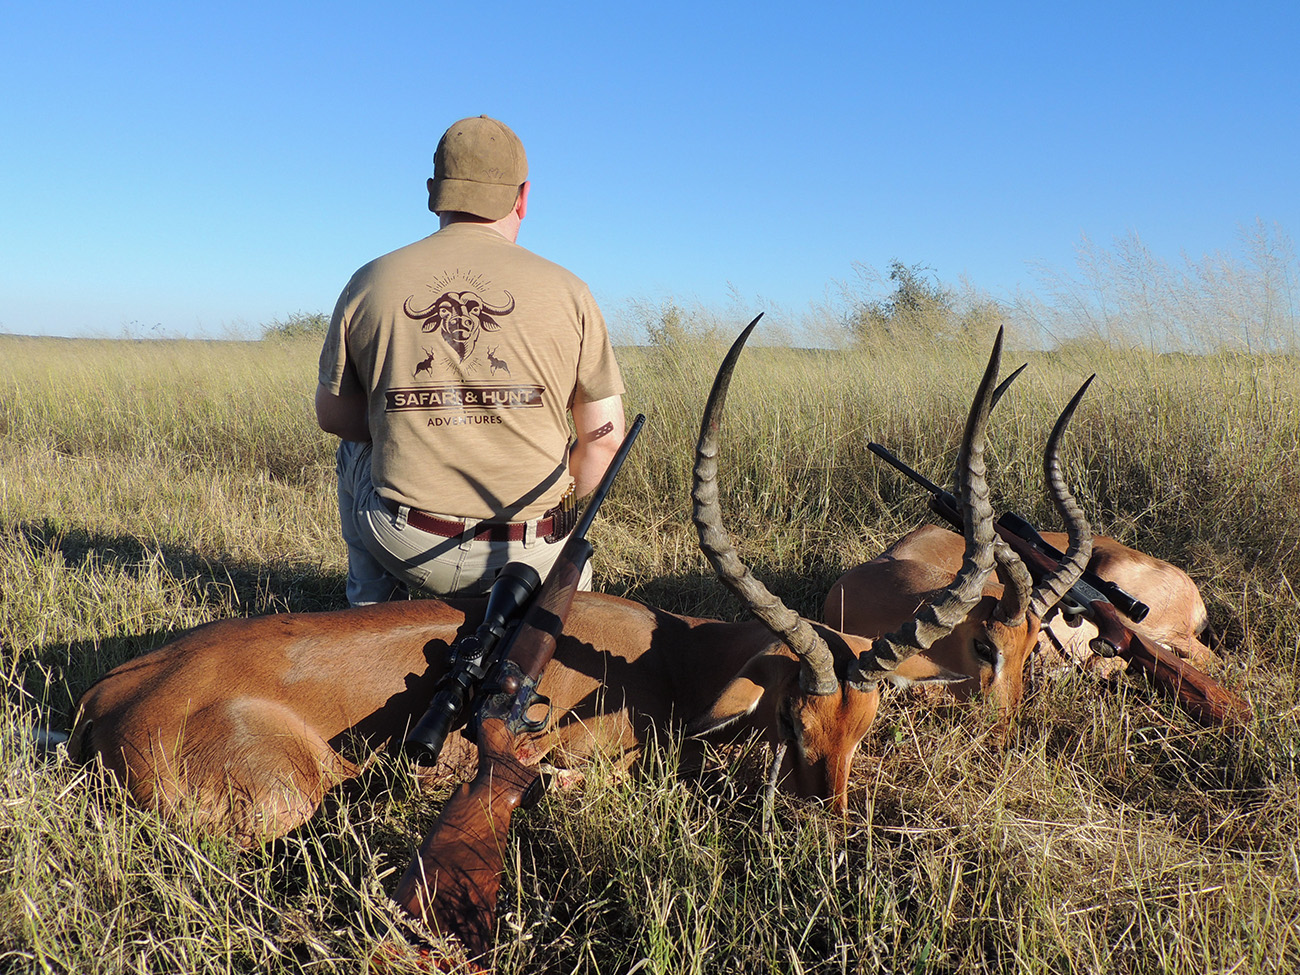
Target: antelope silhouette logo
column 496, row 363
column 425, row 364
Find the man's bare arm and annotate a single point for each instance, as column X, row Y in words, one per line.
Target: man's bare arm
column 599, row 425
column 344, row 416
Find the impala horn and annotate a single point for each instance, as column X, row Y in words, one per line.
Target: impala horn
column 1018, row 584
column 937, row 618
column 1079, row 550
column 817, row 664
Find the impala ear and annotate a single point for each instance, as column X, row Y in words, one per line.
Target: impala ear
column 740, row 698
column 920, row 669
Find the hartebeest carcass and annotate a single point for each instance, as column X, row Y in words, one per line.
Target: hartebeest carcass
column 242, row 725
column 990, row 647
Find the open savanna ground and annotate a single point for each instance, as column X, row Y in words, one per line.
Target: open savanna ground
column 147, row 487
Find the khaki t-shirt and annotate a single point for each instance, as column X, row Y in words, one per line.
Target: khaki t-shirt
column 471, row 350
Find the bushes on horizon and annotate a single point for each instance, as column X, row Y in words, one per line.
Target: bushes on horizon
column 297, row 324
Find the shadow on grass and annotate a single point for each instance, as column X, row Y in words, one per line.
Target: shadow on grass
column 701, row 594
column 284, row 587
column 56, row 674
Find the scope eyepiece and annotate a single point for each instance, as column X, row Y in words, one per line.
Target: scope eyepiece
column 424, row 742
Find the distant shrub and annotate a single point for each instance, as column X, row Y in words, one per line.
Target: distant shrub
column 297, row 324
column 920, row 309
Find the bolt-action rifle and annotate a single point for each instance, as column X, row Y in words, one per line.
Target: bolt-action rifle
column 1099, row 601
column 469, row 660
column 453, row 880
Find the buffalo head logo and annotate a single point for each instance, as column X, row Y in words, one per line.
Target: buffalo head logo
column 460, row 317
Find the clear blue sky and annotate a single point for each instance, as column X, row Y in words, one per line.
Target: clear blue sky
column 198, row 167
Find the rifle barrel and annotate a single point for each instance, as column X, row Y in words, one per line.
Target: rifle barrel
column 884, row 454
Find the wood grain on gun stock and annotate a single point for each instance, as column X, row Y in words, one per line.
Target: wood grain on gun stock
column 1204, row 698
column 453, row 880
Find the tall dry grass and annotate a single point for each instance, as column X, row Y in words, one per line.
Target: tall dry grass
column 149, row 486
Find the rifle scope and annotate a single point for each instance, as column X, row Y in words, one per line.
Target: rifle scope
column 1129, row 605
column 511, row 591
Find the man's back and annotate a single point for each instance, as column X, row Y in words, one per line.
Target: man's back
column 471, row 347
column 450, row 373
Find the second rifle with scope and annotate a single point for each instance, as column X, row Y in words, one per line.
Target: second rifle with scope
column 1100, row 601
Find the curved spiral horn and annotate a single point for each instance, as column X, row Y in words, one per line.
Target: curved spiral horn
column 1019, row 585
column 1018, row 589
column 937, row 618
column 817, row 664
column 1050, row 590
column 1006, row 384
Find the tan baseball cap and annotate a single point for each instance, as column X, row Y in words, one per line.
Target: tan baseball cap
column 478, row 168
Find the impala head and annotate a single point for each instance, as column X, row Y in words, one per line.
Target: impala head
column 992, row 644
column 1011, row 632
column 815, row 690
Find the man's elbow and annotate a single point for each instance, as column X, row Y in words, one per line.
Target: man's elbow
column 342, row 416
column 327, row 411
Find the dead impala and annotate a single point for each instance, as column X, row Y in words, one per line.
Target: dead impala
column 987, row 650
column 1177, row 618
column 241, row 725
column 991, row 645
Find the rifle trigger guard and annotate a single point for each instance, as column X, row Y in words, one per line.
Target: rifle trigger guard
column 1103, row 647
column 534, row 725
column 1071, row 609
column 524, row 700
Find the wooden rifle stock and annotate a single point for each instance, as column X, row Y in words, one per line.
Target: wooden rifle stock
column 1204, row 698
column 453, row 881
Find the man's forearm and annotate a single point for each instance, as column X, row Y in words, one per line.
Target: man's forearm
column 588, row 462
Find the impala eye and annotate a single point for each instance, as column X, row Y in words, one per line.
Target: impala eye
column 785, row 724
column 986, row 651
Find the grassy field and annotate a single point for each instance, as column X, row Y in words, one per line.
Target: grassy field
column 146, row 487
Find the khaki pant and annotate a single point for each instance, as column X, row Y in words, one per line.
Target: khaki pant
column 386, row 554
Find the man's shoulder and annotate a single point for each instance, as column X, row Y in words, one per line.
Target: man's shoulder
column 413, row 252
column 465, row 248
column 469, row 236
column 539, row 265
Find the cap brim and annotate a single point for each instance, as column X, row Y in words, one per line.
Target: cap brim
column 490, row 201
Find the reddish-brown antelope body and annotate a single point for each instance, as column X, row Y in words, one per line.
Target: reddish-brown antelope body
column 239, row 724
column 1177, row 617
column 242, row 725
column 873, row 597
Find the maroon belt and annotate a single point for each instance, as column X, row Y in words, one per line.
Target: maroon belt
column 484, row 531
